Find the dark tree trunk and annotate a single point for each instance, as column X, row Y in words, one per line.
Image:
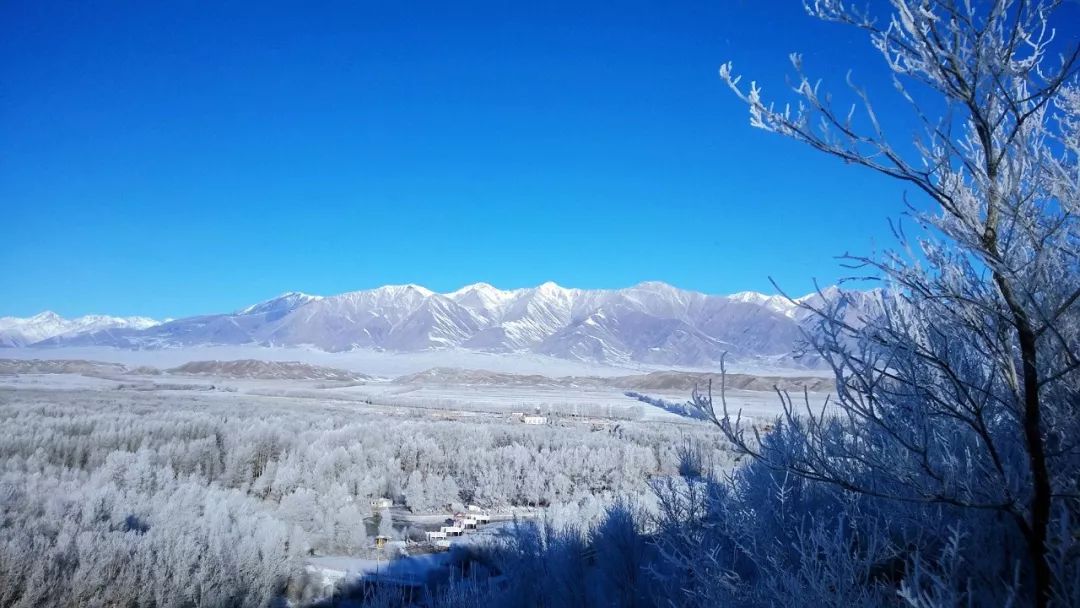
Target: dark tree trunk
column 1031, row 420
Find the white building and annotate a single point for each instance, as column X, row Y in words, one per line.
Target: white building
column 534, row 419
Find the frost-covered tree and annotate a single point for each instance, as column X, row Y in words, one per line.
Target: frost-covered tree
column 958, row 398
column 386, row 523
column 415, row 491
column 622, row 556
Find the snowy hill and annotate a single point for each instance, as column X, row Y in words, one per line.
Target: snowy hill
column 267, row 370
column 652, row 323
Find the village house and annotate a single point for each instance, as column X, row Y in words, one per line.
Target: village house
column 452, row 530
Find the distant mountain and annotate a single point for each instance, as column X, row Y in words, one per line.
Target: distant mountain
column 238, row 327
column 648, row 323
column 279, row 306
column 16, row 331
column 852, row 305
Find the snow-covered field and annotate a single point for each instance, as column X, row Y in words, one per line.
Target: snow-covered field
column 611, row 403
column 376, row 363
column 56, row 382
column 456, row 396
column 460, row 400
column 371, row 362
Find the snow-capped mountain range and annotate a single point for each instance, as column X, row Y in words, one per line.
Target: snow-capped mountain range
column 651, row 322
column 16, row 331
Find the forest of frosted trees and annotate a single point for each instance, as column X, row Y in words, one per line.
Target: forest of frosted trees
column 134, row 498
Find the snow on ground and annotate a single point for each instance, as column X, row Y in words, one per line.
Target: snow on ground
column 371, row 362
column 464, row 399
column 346, row 569
column 601, row 403
column 375, row 363
column 55, row 382
column 460, row 401
column 413, row 565
column 334, row 569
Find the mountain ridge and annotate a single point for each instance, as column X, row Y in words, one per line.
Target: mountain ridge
column 651, row 322
column 24, row 331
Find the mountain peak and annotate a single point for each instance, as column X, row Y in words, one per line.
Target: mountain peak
column 285, row 302
column 46, row 315
column 657, row 287
column 654, row 285
column 485, row 302
column 405, row 288
column 473, row 287
column 827, row 293
column 551, row 287
column 754, row 297
column 46, row 325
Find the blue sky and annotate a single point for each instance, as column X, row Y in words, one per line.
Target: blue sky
column 169, row 159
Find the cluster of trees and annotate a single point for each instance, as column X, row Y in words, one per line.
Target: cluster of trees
column 134, row 532
column 125, row 498
column 678, row 408
column 429, row 492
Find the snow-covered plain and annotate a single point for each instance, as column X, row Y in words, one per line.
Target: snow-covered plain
column 459, row 401
column 383, row 363
column 56, row 382
column 450, row 397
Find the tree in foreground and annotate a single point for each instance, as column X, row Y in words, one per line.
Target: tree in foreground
column 952, row 441
column 945, row 470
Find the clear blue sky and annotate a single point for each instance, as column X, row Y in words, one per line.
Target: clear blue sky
column 169, row 159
